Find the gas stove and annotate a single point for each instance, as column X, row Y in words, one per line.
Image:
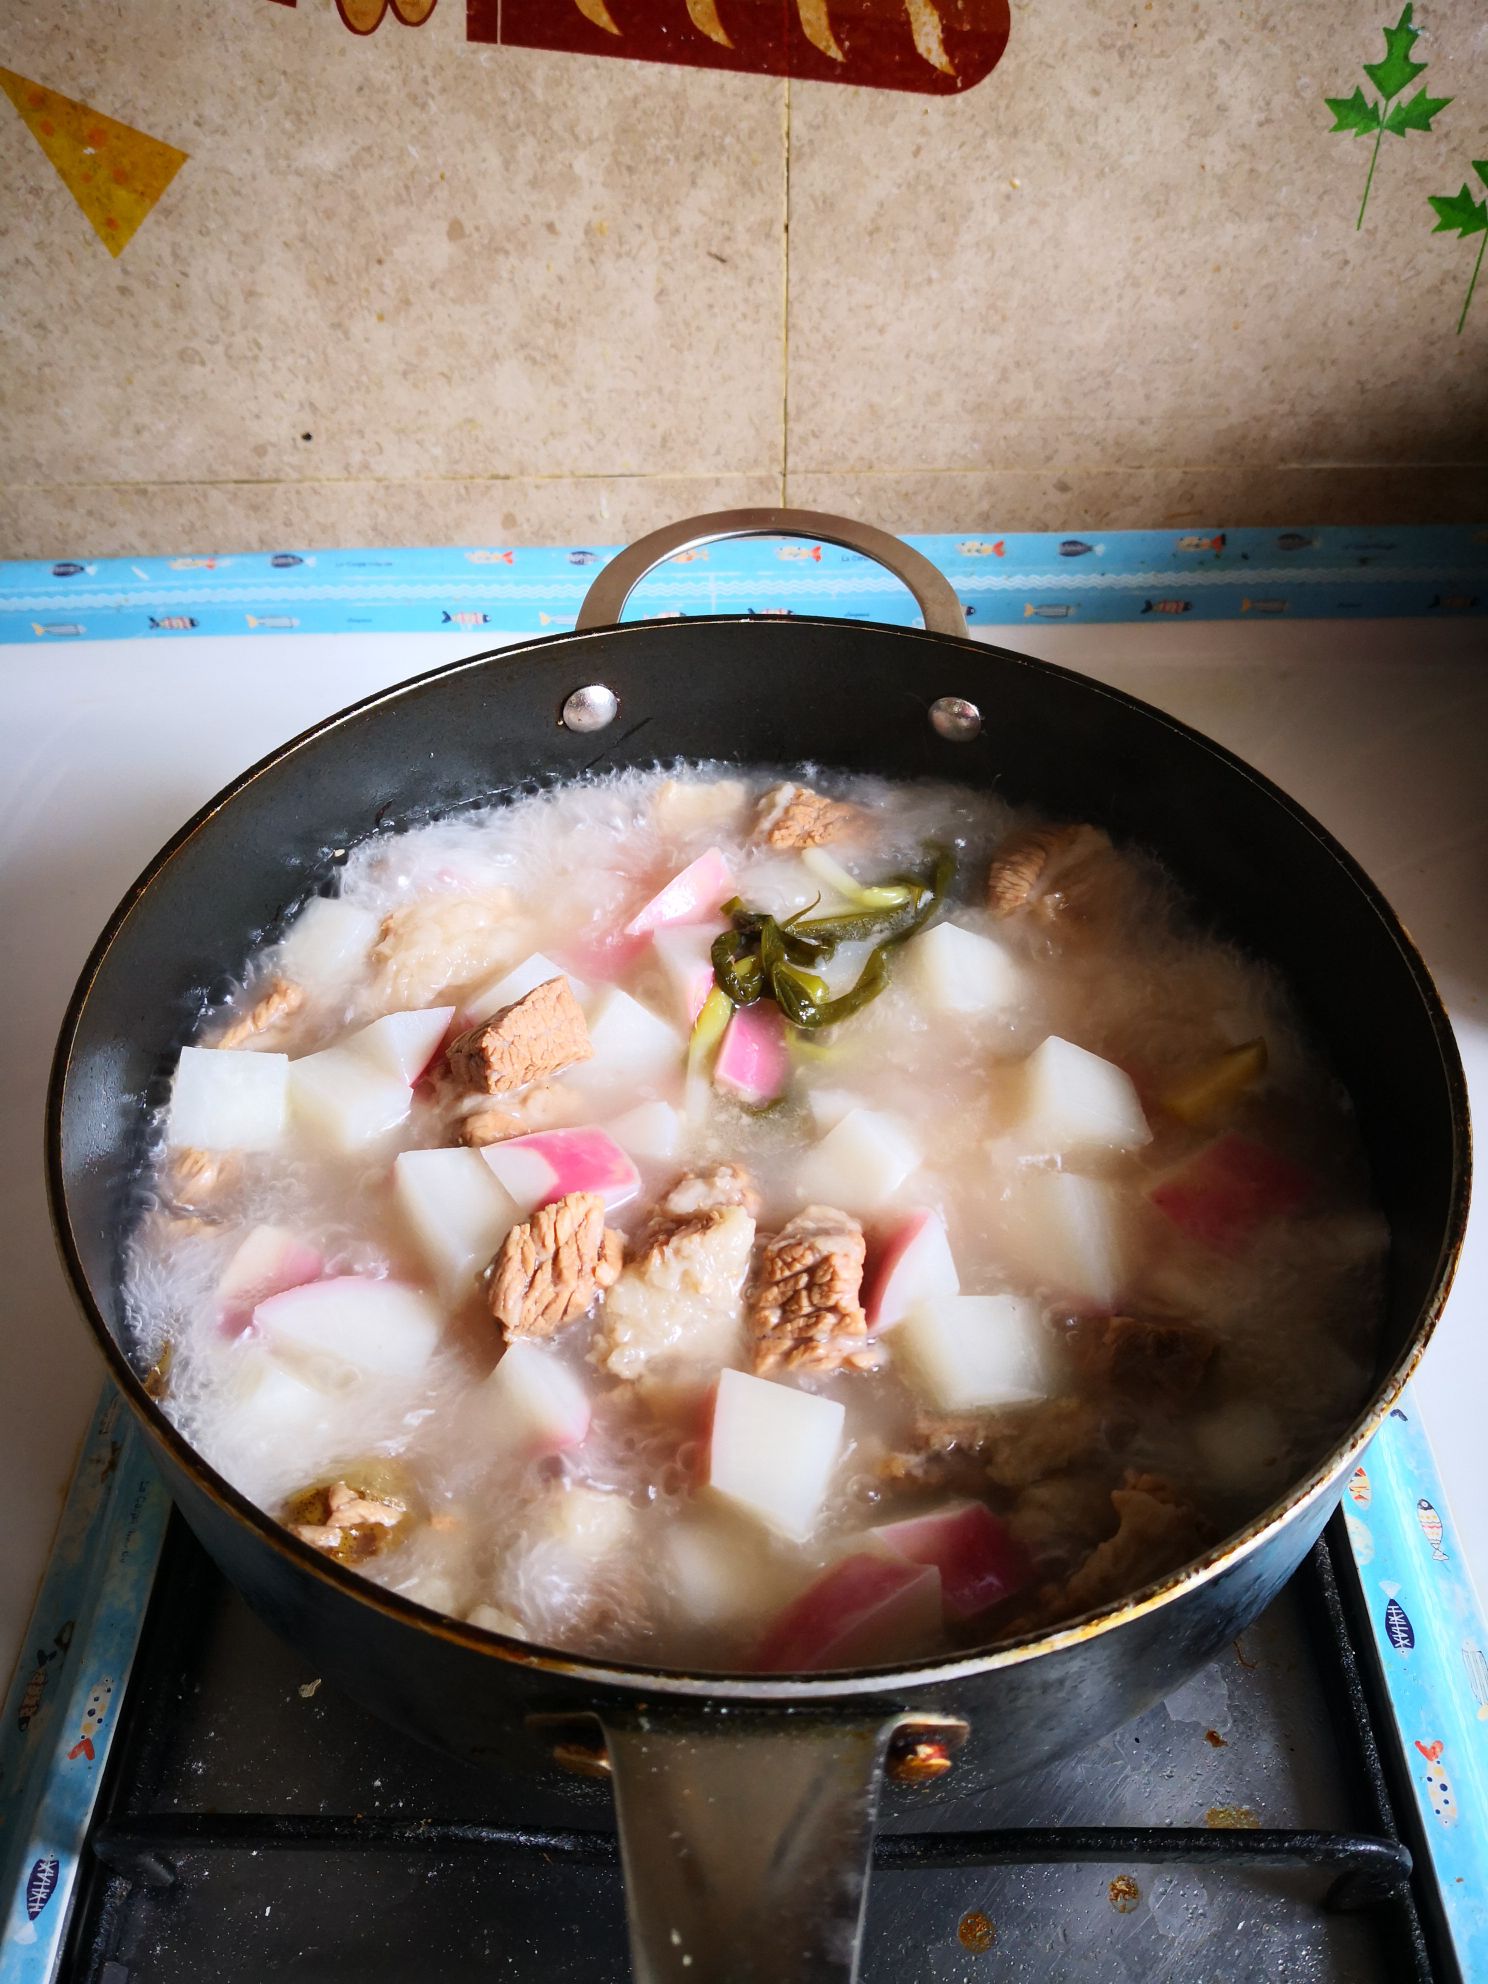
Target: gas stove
column 253, row 1822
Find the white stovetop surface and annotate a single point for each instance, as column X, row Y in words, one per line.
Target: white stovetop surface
column 1379, row 728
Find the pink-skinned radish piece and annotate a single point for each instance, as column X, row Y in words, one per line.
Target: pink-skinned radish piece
column 752, row 1062
column 914, row 1265
column 269, row 1260
column 380, row 1327
column 403, row 1044
column 694, row 896
column 867, row 1610
column 550, row 1164
column 684, row 955
column 533, row 1403
column 606, row 957
column 979, row 1560
column 772, row 1449
column 1230, row 1188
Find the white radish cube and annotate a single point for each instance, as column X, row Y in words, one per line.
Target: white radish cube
column 1070, row 1101
column 269, row 1399
column 344, row 1098
column 403, row 1044
column 589, row 1521
column 685, row 957
column 915, row 1265
column 630, row 1043
column 532, row 1402
column 651, row 1131
column 694, row 896
column 1241, row 1447
column 1066, row 1234
column 964, row 1352
column 828, row 1106
column 456, row 1209
column 382, row 1327
column 269, row 1260
column 719, row 1571
column 496, row 1619
column 226, row 1099
column 860, row 1164
column 327, row 942
column 752, row 1063
column 550, row 1164
column 516, row 984
column 951, row 970
column 772, row 1451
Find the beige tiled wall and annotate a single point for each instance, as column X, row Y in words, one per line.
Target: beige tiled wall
column 406, row 289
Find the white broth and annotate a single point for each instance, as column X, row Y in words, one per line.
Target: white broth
column 729, row 1220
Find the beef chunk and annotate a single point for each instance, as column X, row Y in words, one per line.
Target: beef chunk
column 807, row 1312
column 1156, row 1531
column 794, row 816
column 438, row 942
column 542, row 1033
column 677, row 1307
column 345, row 1522
column 1053, row 872
column 280, row 1002
column 552, row 1268
column 1145, row 1357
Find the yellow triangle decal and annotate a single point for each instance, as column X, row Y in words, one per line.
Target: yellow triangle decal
column 115, row 173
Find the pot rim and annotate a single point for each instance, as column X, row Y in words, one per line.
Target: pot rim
column 733, row 1687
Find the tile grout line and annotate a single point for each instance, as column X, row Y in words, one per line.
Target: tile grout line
column 785, row 296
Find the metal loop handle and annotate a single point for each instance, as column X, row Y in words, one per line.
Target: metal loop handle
column 933, row 592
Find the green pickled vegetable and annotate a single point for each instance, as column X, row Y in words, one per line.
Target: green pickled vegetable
column 761, row 956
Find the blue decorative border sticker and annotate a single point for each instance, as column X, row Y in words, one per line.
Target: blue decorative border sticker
column 1006, row 580
column 1429, row 1632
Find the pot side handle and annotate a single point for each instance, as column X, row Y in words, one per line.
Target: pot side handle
column 933, row 592
column 745, row 1840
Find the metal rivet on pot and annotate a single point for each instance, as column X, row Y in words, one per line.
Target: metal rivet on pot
column 955, row 718
column 590, row 708
column 919, row 1763
column 920, row 1750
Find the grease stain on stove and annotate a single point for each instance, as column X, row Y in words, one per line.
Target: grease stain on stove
column 976, row 1932
column 1215, row 1741
column 1124, row 1894
column 1231, row 1818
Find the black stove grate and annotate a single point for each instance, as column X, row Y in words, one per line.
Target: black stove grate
column 129, row 1927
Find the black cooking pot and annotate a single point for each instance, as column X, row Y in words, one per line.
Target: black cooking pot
column 746, row 1805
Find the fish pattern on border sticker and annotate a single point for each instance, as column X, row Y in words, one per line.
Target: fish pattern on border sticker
column 1477, row 1676
column 1432, row 1528
column 41, row 1885
column 1359, row 1491
column 1361, row 1537
column 1438, row 1789
column 1398, row 1629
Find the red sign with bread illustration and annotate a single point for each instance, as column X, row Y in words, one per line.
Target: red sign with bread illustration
column 936, row 47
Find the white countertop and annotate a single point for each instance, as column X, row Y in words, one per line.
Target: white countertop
column 1380, row 728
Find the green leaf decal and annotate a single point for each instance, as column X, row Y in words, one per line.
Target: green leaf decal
column 1462, row 215
column 1357, row 116
column 1391, row 76
column 1416, row 115
column 1353, row 113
